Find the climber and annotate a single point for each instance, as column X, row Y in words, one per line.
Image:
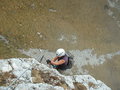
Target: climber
column 60, row 61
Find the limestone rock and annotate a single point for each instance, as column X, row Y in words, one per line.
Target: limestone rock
column 33, row 75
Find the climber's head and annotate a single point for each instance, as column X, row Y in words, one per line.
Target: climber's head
column 60, row 52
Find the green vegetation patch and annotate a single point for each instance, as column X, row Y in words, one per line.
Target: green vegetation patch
column 7, row 51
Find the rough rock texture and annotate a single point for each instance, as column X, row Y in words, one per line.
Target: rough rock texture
column 36, row 76
column 113, row 10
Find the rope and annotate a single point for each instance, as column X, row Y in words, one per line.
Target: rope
column 22, row 74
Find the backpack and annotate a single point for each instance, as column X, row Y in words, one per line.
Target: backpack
column 70, row 60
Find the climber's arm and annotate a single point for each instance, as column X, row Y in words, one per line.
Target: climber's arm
column 54, row 59
column 58, row 63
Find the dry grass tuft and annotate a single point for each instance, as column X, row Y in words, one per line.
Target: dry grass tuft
column 79, row 86
column 4, row 78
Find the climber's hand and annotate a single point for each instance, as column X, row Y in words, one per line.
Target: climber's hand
column 48, row 61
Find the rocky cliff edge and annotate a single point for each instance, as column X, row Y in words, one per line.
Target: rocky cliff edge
column 29, row 74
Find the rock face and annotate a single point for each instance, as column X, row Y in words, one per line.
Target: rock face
column 29, row 74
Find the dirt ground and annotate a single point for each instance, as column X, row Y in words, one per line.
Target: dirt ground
column 51, row 24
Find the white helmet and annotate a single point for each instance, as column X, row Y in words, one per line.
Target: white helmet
column 60, row 52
